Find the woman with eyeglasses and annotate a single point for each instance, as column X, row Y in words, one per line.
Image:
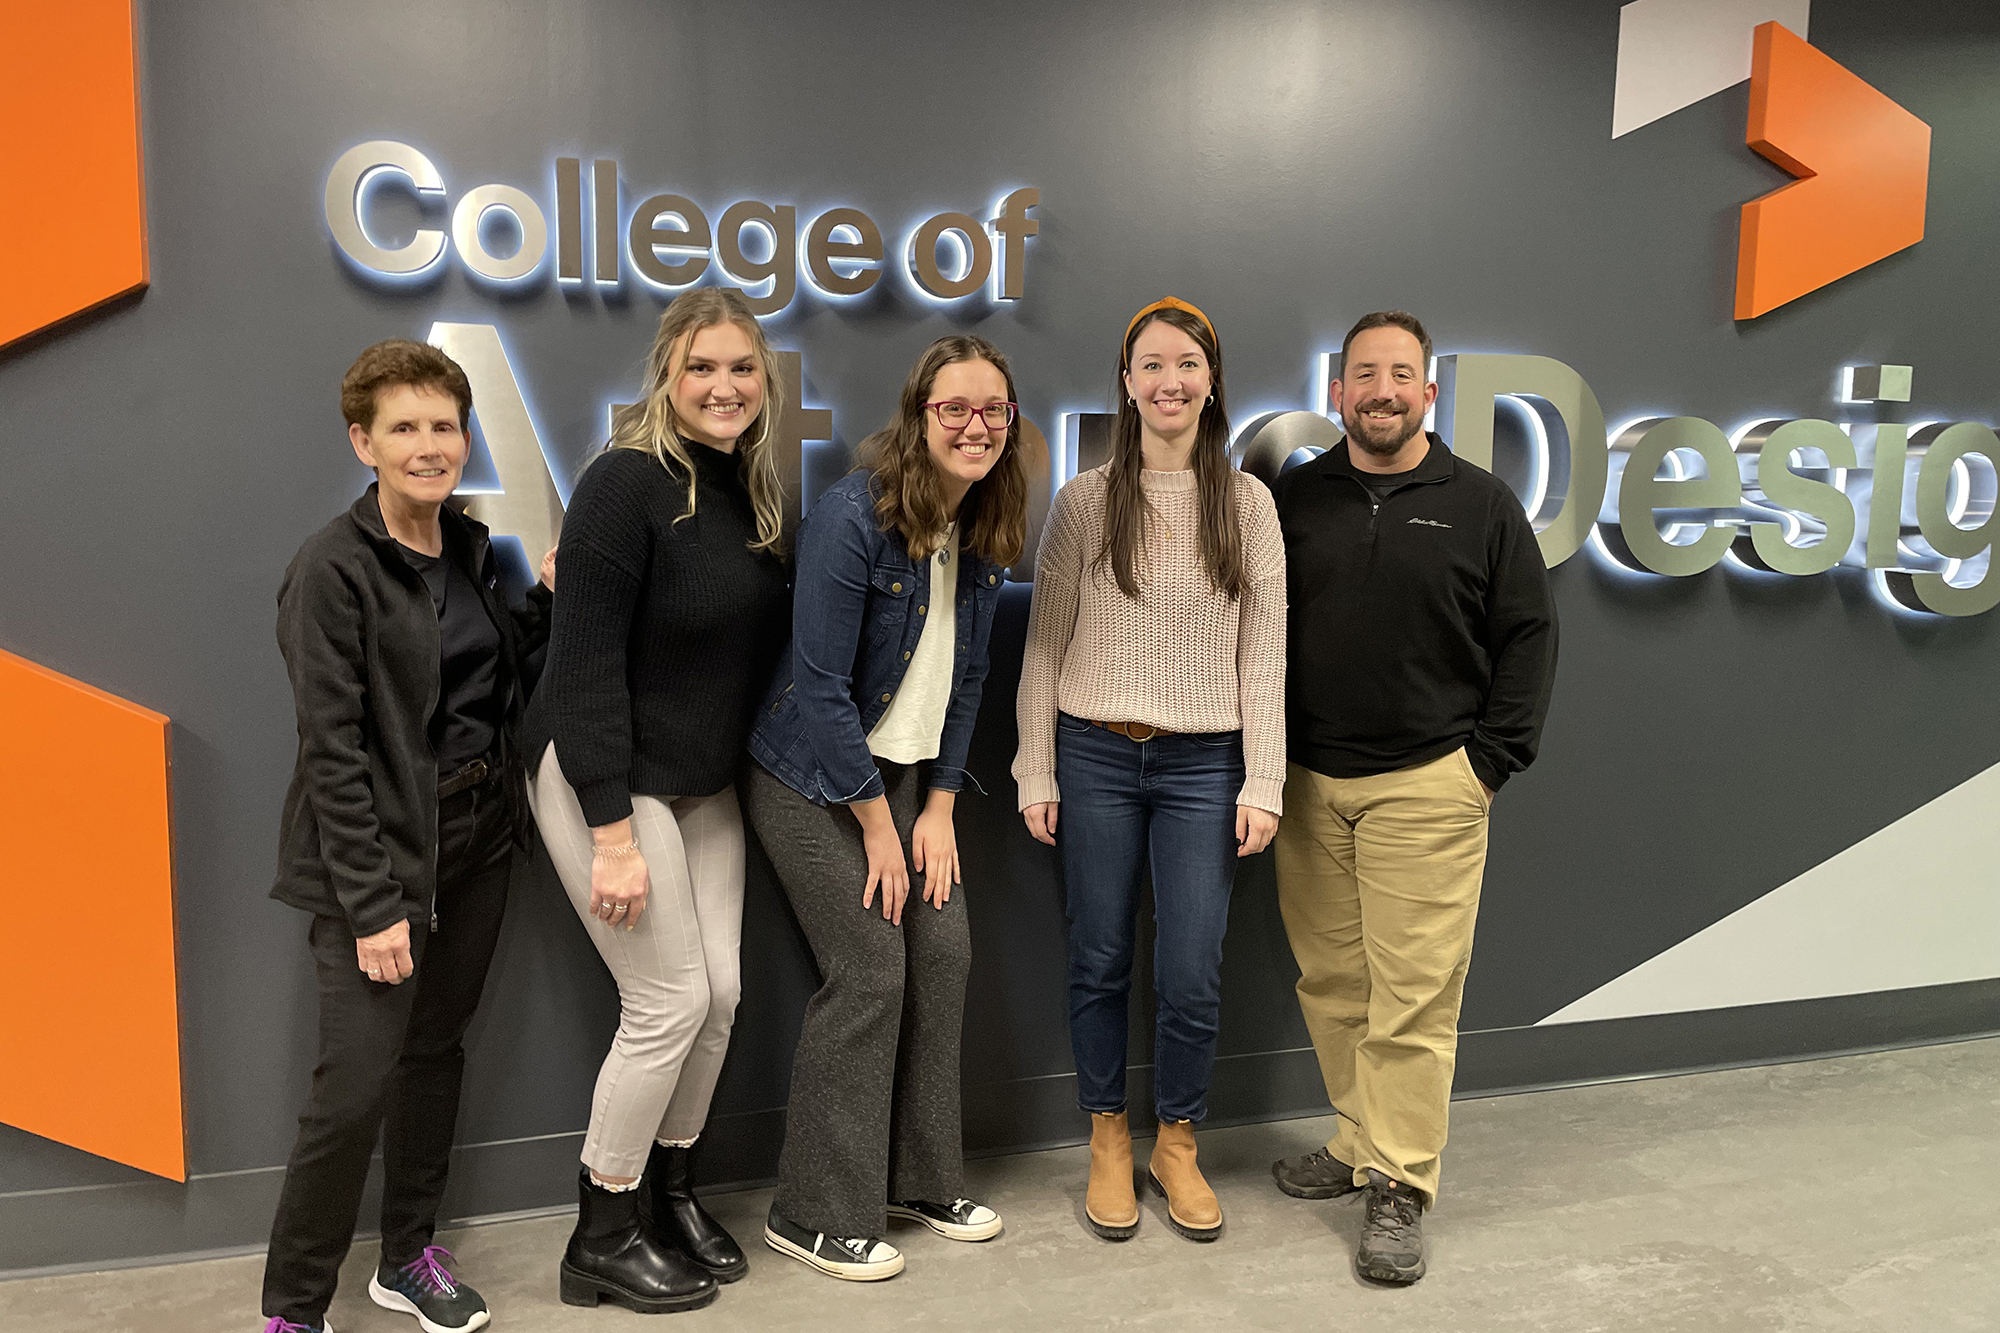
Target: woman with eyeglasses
column 1151, row 716
column 860, row 755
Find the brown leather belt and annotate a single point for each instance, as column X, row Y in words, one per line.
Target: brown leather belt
column 465, row 779
column 1131, row 731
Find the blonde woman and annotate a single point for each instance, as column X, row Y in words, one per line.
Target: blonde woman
column 673, row 613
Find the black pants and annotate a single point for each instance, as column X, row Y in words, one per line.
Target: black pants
column 874, row 1112
column 390, row 1059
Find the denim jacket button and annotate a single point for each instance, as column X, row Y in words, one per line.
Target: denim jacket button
column 886, row 698
column 922, row 609
column 906, row 657
column 895, row 587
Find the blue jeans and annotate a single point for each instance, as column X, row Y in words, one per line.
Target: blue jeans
column 1170, row 803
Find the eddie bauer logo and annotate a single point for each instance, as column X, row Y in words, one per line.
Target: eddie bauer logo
column 1430, row 523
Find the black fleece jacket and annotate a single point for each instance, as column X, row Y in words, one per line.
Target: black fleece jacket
column 1416, row 627
column 359, row 633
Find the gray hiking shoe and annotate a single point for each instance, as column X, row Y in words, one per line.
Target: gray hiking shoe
column 1317, row 1175
column 1392, row 1237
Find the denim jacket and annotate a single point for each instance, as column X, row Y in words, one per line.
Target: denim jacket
column 859, row 605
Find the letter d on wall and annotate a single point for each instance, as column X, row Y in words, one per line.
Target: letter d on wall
column 1558, row 399
column 527, row 505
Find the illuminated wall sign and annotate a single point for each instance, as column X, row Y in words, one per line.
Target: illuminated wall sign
column 1675, row 496
column 668, row 241
column 1672, row 496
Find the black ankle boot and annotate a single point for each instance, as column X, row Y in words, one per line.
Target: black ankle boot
column 675, row 1217
column 611, row 1258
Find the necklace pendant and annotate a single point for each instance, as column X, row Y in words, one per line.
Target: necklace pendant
column 944, row 555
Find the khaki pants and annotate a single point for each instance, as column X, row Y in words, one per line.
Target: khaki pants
column 1378, row 881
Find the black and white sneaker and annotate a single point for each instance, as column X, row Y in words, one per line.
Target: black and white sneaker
column 850, row 1258
column 961, row 1219
column 427, row 1289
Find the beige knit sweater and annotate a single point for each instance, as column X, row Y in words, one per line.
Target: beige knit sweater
column 1181, row 656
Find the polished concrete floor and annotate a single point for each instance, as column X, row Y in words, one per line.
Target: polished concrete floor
column 1861, row 1193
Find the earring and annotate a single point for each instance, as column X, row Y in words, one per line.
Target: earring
column 1211, row 398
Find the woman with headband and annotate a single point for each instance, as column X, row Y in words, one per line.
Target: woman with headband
column 1151, row 713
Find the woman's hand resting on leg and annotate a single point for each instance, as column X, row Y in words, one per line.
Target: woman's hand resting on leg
column 619, row 880
column 934, row 848
column 886, row 867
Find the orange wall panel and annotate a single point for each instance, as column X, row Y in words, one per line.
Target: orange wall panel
column 72, row 195
column 89, row 1015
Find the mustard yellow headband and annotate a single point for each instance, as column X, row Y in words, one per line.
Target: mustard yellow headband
column 1173, row 303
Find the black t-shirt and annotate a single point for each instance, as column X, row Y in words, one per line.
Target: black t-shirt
column 1380, row 484
column 468, row 708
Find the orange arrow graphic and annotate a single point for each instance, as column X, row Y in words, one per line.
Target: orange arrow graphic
column 1864, row 163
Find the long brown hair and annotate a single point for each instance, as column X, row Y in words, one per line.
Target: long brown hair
column 993, row 520
column 651, row 423
column 1125, row 509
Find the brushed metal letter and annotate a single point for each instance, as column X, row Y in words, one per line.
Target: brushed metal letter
column 798, row 424
column 1035, row 460
column 1467, row 387
column 782, row 225
column 528, row 506
column 604, row 205
column 1944, row 450
column 1013, row 227
column 1633, row 536
column 352, row 172
column 923, row 256
column 1267, row 444
column 471, row 210
column 649, row 238
column 1765, row 451
column 569, row 220
column 823, row 252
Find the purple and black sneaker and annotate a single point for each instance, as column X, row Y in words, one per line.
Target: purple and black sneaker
column 425, row 1288
column 278, row 1325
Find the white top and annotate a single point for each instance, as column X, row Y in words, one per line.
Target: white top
column 913, row 728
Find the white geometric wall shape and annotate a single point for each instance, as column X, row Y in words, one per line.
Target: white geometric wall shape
column 1673, row 53
column 1917, row 904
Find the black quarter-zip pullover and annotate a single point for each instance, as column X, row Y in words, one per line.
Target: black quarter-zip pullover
column 1420, row 621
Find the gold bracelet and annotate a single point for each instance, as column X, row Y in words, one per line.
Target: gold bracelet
column 629, row 849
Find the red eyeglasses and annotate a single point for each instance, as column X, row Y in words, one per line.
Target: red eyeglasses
column 956, row 414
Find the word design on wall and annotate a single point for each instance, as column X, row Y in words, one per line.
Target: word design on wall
column 668, row 240
column 1676, row 496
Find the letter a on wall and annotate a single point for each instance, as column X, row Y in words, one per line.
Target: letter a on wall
column 89, row 1021
column 1864, row 164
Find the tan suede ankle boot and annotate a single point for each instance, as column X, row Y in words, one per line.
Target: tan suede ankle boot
column 1191, row 1206
column 1109, row 1205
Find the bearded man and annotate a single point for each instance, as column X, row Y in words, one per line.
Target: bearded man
column 1421, row 650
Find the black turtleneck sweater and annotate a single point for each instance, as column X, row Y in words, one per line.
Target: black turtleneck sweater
column 665, row 633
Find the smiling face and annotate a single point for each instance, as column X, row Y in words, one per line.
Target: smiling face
column 1384, row 390
column 416, row 444
column 965, row 455
column 721, row 387
column 1168, row 378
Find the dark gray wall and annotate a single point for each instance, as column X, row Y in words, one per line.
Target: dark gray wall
column 1286, row 165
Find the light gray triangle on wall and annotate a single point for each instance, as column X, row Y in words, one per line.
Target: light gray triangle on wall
column 1917, row 904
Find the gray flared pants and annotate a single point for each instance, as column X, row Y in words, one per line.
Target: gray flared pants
column 874, row 1113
